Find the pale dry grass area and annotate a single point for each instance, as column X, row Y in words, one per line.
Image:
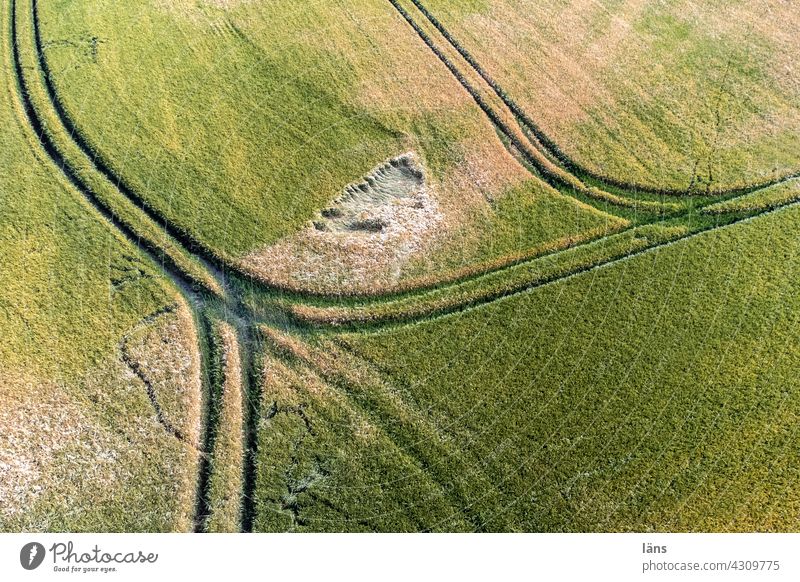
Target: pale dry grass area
column 203, row 12
column 363, row 239
column 163, row 354
column 41, row 427
column 659, row 94
column 783, row 37
column 75, row 453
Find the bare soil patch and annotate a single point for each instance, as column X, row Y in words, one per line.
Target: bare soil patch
column 363, row 238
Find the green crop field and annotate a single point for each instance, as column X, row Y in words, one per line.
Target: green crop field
column 399, row 265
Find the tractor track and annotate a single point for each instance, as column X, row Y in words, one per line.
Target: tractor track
column 368, row 323
column 196, row 301
column 36, row 125
column 556, row 153
column 192, row 245
column 507, row 124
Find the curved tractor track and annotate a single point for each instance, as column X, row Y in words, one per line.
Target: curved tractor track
column 547, row 145
column 204, row 284
column 205, row 301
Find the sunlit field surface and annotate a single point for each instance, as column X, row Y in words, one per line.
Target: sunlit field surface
column 399, row 265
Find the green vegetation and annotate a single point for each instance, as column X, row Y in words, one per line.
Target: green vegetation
column 655, row 394
column 398, row 265
column 327, row 463
column 81, row 447
column 760, row 200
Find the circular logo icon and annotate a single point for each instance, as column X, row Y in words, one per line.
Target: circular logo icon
column 31, row 555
